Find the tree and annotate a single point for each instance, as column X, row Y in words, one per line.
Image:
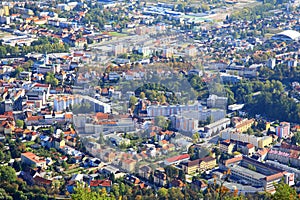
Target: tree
column 50, row 79
column 196, row 137
column 132, row 101
column 101, row 139
column 84, row 193
column 162, row 193
column 64, row 165
column 7, row 174
column 171, row 171
column 17, row 166
column 161, row 121
column 19, row 123
column 142, row 95
column 296, row 138
column 2, row 156
column 85, row 46
column 284, row 192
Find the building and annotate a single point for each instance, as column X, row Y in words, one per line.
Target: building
column 215, row 101
column 199, row 165
column 242, row 125
column 175, row 160
column 255, row 173
column 259, row 142
column 128, row 165
column 31, row 159
column 145, row 171
column 287, row 35
column 283, row 130
column 185, row 124
column 217, row 126
column 99, row 184
column 118, row 49
column 98, row 106
column 168, row 52
column 226, row 146
column 160, row 177
column 63, row 102
column 191, row 51
column 154, row 111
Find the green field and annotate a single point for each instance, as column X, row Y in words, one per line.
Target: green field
column 116, row 34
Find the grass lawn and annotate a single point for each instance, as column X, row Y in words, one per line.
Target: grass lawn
column 116, row 34
column 4, row 34
column 28, row 144
column 74, row 170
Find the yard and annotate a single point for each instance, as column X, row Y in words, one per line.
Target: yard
column 116, row 34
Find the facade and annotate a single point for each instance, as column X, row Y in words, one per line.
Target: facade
column 215, row 101
column 154, row 111
column 283, row 130
column 226, row 146
column 255, row 173
column 217, row 126
column 199, row 165
column 259, row 142
column 128, row 165
column 31, row 159
column 185, row 124
column 243, row 125
column 61, row 103
column 177, row 159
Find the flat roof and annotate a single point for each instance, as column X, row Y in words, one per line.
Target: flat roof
column 244, row 170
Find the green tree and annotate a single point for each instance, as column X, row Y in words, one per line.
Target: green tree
column 284, row 192
column 2, row 156
column 101, row 139
column 132, row 101
column 17, row 166
column 7, row 174
column 19, row 123
column 50, row 79
column 162, row 193
column 84, row 193
column 142, row 95
column 296, row 138
column 161, row 121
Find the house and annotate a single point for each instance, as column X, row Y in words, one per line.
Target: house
column 31, row 159
column 7, row 127
column 132, row 180
column 58, row 143
column 160, row 177
column 40, row 181
column 198, row 185
column 177, row 183
column 242, row 125
column 99, row 184
column 128, row 165
column 145, row 171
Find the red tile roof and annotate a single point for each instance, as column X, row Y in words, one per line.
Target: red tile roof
column 103, row 183
column 178, row 158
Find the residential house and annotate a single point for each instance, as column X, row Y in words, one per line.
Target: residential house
column 99, row 184
column 145, row 171
column 128, row 165
column 31, row 159
column 160, row 177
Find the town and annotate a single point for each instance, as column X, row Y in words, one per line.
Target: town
column 104, row 99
